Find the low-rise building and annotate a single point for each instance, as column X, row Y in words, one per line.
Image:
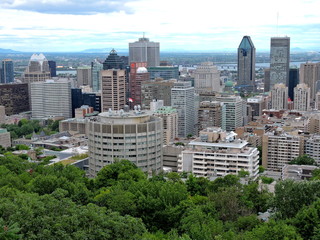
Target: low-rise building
column 218, row 153
column 5, row 139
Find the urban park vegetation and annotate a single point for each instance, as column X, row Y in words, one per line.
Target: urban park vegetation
column 60, row 202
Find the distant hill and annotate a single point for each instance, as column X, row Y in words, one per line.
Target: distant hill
column 2, row 50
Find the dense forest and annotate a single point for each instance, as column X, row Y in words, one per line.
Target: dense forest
column 59, row 202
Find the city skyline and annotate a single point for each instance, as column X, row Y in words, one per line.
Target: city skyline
column 70, row 26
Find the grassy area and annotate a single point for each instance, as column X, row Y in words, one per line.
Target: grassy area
column 73, row 159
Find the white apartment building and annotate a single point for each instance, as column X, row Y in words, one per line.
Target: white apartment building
column 135, row 136
column 312, row 148
column 218, row 153
column 301, row 97
column 279, row 97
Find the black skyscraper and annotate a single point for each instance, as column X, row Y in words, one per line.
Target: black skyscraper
column 53, row 68
column 113, row 61
column 293, row 81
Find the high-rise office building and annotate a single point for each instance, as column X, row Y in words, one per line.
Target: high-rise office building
column 279, row 97
column 301, row 97
column 113, row 61
column 76, row 99
column 246, row 65
column 113, row 83
column 52, row 68
column 51, row 99
column 80, row 98
column 138, row 75
column 15, row 98
column 135, row 136
column 279, row 61
column 84, row 76
column 96, row 67
column 7, row 72
column 232, row 112
column 169, row 117
column 293, row 81
column 165, row 72
column 145, row 51
column 266, row 79
column 310, row 74
column 37, row 71
column 182, row 98
column 207, row 78
column 159, row 89
column 209, row 114
column 113, row 91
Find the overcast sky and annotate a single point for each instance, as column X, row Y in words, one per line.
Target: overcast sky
column 75, row 25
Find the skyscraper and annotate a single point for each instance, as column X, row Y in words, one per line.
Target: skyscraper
column 37, row 70
column 232, row 112
column 279, row 97
column 51, row 99
column 293, row 81
column 113, row 61
column 7, row 73
column 159, row 89
column 14, row 97
column 207, row 78
column 182, row 98
column 53, row 68
column 279, row 60
column 302, row 97
column 84, row 76
column 138, row 75
column 113, row 92
column 145, row 51
column 96, row 67
column 310, row 74
column 209, row 114
column 246, row 65
column 113, row 83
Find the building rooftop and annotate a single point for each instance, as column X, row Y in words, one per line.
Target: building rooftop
column 238, row 144
column 166, row 110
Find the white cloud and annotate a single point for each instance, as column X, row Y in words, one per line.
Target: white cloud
column 201, row 24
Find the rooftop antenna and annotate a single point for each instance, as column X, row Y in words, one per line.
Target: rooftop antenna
column 277, row 24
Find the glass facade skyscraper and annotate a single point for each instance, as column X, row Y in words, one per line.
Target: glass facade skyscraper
column 7, row 73
column 246, row 65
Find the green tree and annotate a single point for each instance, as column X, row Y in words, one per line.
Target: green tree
column 291, row 196
column 272, row 231
column 307, row 221
column 303, row 160
column 9, row 231
column 120, row 169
